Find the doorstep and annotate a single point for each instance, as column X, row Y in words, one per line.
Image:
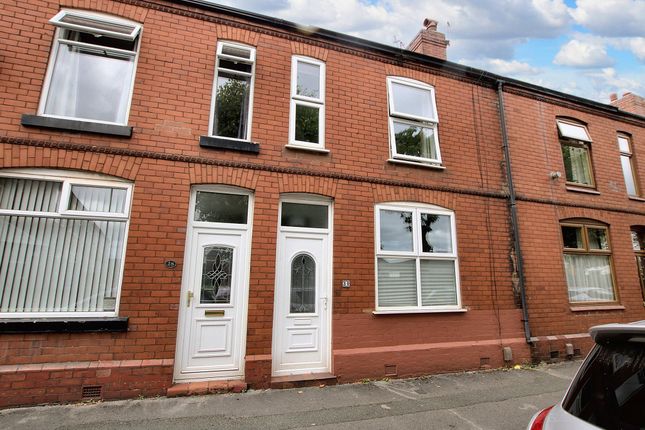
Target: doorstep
column 205, row 387
column 303, row 380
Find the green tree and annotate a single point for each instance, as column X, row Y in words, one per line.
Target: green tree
column 231, row 108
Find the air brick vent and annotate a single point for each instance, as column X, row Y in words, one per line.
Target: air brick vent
column 91, row 392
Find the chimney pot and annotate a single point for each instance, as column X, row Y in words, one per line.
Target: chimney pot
column 430, row 24
column 613, row 97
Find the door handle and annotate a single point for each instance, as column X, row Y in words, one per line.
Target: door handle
column 189, row 298
column 324, row 299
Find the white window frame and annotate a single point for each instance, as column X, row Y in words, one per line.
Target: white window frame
column 419, row 121
column 629, row 154
column 316, row 102
column 60, row 26
column 251, row 60
column 69, row 178
column 417, row 209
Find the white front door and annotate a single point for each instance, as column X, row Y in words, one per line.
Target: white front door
column 212, row 317
column 301, row 329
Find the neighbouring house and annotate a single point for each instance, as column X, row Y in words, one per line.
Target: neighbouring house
column 196, row 198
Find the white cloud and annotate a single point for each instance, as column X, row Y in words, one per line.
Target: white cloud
column 611, row 17
column 514, row 68
column 634, row 44
column 579, row 53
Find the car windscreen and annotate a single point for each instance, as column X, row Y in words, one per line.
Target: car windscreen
column 609, row 391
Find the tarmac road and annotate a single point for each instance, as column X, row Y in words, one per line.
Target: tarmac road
column 495, row 400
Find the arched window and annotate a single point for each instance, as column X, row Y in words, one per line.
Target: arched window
column 62, row 243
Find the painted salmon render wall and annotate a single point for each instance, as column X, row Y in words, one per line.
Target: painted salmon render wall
column 132, row 351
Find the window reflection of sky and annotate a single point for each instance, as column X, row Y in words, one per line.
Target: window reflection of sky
column 438, row 238
column 396, row 234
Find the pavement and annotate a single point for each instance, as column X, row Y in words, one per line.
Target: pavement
column 495, row 400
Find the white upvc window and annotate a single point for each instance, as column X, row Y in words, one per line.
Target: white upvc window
column 413, row 121
column 417, row 267
column 91, row 68
column 62, row 243
column 627, row 163
column 232, row 105
column 307, row 117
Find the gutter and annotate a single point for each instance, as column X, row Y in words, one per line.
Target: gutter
column 512, row 204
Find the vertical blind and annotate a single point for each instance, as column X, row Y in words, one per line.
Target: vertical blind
column 52, row 263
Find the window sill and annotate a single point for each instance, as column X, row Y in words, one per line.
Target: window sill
column 307, row 148
column 417, row 164
column 68, row 325
column 582, row 190
column 75, row 125
column 418, row 311
column 231, row 144
column 636, row 198
column 576, row 308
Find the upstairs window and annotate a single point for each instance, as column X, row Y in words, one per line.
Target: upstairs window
column 413, row 121
column 627, row 163
column 62, row 243
column 233, row 91
column 638, row 243
column 91, row 69
column 307, row 119
column 416, row 259
column 575, row 143
column 587, row 262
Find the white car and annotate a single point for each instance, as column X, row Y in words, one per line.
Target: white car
column 608, row 392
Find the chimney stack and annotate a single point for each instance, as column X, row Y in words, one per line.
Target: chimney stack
column 429, row 41
column 629, row 102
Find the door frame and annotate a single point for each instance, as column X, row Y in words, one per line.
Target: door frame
column 315, row 199
column 187, row 277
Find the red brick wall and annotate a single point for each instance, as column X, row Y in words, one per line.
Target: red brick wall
column 170, row 110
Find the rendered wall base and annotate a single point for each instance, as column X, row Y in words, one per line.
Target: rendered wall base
column 34, row 384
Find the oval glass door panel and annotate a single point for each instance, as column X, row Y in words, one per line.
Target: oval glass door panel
column 303, row 285
column 216, row 275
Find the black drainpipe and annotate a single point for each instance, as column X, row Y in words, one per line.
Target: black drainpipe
column 513, row 209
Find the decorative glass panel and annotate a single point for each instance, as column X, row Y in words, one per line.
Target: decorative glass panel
column 396, row 230
column 219, row 207
column 413, row 101
column 438, row 283
column 576, row 164
column 308, row 84
column 628, row 173
column 572, row 237
column 597, row 238
column 216, row 275
column 436, row 233
column 414, row 140
column 572, row 131
column 307, row 123
column 232, row 105
column 397, row 282
column 97, row 199
column 589, row 278
column 640, row 260
column 29, row 195
column 303, row 285
column 304, row 215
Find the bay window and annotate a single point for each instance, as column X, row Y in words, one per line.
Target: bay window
column 413, row 121
column 233, row 91
column 307, row 118
column 91, row 69
column 416, row 258
column 62, row 243
column 587, row 261
column 576, row 153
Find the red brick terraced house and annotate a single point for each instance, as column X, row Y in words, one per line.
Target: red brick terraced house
column 195, row 198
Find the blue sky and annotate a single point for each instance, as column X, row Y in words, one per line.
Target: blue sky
column 589, row 48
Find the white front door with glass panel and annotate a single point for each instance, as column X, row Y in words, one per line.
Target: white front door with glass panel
column 301, row 327
column 212, row 317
